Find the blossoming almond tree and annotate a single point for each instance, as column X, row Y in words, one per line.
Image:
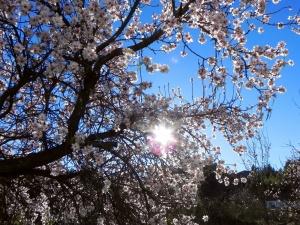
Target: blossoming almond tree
column 76, row 131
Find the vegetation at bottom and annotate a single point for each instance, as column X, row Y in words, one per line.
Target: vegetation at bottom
column 270, row 197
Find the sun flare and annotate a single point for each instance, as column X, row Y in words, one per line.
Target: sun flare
column 163, row 135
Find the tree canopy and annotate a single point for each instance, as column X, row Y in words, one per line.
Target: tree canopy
column 83, row 140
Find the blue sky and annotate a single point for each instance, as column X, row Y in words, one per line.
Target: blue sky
column 283, row 127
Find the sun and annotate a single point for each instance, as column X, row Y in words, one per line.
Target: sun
column 163, row 135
